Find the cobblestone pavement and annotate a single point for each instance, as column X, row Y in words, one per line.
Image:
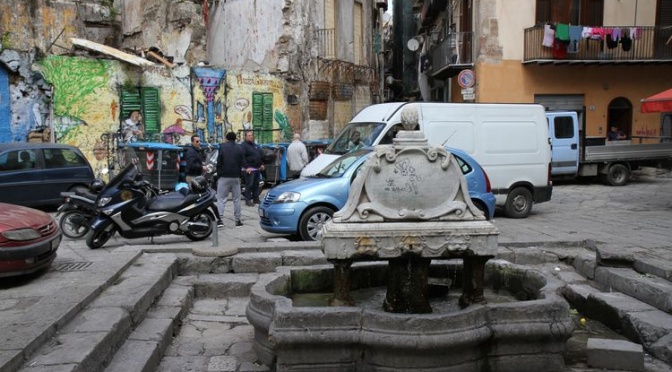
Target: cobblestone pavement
column 215, row 335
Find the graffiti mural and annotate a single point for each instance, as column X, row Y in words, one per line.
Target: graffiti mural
column 209, row 95
column 256, row 102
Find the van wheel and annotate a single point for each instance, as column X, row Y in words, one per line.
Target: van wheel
column 617, row 175
column 310, row 225
column 518, row 203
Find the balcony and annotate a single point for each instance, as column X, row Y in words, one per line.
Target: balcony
column 326, row 43
column 452, row 55
column 652, row 45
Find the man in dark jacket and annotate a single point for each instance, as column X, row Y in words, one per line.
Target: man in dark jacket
column 194, row 158
column 230, row 161
column 254, row 165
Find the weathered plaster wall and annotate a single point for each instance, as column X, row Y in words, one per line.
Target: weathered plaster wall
column 175, row 27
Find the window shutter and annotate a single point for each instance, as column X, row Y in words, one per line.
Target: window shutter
column 267, row 136
column 151, row 110
column 130, row 101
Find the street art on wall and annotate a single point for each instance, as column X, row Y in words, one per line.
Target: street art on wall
column 209, row 93
column 87, row 104
column 256, row 102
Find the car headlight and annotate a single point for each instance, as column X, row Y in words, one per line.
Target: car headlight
column 103, row 201
column 287, row 197
column 21, row 234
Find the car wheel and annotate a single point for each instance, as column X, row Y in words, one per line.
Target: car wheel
column 204, row 218
column 310, row 225
column 617, row 175
column 74, row 224
column 518, row 203
column 97, row 239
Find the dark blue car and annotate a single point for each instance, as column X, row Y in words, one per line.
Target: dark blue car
column 302, row 206
column 35, row 174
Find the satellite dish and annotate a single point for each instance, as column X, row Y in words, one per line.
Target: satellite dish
column 413, row 45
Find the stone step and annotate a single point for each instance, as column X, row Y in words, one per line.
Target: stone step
column 90, row 340
column 638, row 321
column 27, row 329
column 145, row 347
column 218, row 286
column 250, row 260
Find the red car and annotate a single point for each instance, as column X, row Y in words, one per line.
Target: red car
column 29, row 240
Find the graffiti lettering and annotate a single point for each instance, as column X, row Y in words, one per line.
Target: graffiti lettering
column 648, row 132
column 159, row 70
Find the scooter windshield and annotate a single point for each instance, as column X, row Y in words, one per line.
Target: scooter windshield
column 127, row 174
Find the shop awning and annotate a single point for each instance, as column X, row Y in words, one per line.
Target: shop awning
column 661, row 102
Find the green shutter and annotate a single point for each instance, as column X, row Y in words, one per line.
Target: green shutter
column 151, row 112
column 257, row 109
column 130, row 101
column 267, row 136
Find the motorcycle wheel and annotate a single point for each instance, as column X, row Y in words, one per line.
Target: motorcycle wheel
column 196, row 236
column 74, row 224
column 96, row 239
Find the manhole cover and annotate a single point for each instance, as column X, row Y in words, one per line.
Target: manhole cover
column 71, row 266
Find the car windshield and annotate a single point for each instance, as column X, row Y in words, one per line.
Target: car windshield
column 355, row 136
column 340, row 165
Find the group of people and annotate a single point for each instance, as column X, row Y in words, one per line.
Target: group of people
column 234, row 158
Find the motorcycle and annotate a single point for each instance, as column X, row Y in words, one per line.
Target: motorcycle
column 134, row 208
column 78, row 209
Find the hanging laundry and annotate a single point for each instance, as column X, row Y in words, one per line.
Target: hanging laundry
column 611, row 43
column 562, row 32
column 575, row 33
column 597, row 33
column 559, row 49
column 626, row 43
column 616, row 34
column 587, row 32
column 549, row 36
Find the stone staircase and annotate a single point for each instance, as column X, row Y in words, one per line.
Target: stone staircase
column 631, row 294
column 134, row 322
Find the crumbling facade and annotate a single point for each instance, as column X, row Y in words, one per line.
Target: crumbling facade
column 208, row 67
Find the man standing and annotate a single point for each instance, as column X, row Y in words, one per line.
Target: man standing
column 297, row 157
column 130, row 129
column 254, row 165
column 229, row 163
column 194, row 158
column 195, row 167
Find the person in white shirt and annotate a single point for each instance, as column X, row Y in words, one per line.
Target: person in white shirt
column 131, row 128
column 297, row 157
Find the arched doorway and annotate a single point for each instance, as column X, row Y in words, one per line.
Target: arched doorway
column 619, row 115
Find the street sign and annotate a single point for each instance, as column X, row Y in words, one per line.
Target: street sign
column 468, row 97
column 468, row 91
column 466, row 78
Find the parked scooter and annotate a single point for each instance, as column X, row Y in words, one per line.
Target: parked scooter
column 132, row 207
column 78, row 209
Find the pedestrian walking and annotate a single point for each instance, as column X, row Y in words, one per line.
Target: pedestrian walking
column 254, row 165
column 297, row 157
column 230, row 161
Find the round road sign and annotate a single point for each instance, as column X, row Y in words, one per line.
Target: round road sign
column 466, row 79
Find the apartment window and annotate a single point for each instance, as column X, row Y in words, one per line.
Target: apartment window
column 575, row 12
column 146, row 100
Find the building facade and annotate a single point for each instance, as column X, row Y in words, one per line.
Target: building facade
column 596, row 57
column 274, row 66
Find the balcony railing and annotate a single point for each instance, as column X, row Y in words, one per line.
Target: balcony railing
column 452, row 55
column 326, row 43
column 651, row 45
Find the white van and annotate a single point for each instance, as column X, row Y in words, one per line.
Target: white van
column 510, row 141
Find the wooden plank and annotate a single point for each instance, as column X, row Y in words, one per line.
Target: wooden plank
column 112, row 52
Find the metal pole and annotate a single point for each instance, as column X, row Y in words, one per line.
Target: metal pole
column 381, row 96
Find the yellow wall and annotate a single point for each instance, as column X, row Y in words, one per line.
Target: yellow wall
column 513, row 82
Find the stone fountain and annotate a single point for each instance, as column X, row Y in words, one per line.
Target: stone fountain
column 408, row 222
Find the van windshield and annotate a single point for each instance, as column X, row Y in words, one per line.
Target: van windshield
column 355, row 136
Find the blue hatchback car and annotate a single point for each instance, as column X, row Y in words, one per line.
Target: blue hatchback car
column 302, row 206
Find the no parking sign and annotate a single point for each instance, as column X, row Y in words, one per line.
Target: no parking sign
column 466, row 78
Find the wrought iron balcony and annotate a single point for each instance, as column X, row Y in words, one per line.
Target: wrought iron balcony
column 650, row 45
column 452, row 55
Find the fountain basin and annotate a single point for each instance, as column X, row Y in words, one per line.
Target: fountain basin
column 527, row 333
